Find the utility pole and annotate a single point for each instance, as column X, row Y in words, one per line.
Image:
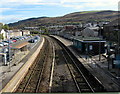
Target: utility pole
column 118, row 47
column 108, row 58
column 9, row 52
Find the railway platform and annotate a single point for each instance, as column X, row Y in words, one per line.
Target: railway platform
column 97, row 68
column 10, row 74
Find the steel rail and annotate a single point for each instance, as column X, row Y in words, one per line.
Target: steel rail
column 101, row 88
column 31, row 75
column 78, row 69
column 71, row 72
column 52, row 68
column 40, row 75
column 73, row 76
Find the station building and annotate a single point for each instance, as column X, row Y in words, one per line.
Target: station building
column 92, row 45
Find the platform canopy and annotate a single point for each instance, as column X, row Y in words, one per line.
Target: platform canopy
column 21, row 45
column 89, row 39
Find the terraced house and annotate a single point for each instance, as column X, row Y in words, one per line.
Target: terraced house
column 17, row 32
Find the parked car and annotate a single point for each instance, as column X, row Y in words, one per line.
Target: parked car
column 14, row 40
column 31, row 40
column 5, row 50
column 36, row 37
column 1, row 44
column 8, row 41
column 5, row 43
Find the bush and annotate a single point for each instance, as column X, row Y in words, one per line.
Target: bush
column 1, row 36
column 35, row 32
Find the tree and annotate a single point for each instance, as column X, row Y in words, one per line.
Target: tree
column 1, row 25
column 1, row 36
column 5, row 27
column 43, row 28
column 35, row 32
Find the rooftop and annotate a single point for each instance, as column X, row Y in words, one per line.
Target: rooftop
column 20, row 45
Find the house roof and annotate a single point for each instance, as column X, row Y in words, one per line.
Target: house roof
column 14, row 30
column 25, row 30
column 114, row 22
column 94, row 28
column 87, row 32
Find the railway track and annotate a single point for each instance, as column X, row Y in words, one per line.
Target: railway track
column 56, row 65
column 79, row 79
column 84, row 81
column 32, row 81
column 81, row 82
column 60, row 77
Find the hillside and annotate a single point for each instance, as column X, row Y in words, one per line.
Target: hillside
column 74, row 18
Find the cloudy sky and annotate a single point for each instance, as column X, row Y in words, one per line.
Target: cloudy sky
column 15, row 10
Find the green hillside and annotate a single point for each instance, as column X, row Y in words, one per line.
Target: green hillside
column 72, row 18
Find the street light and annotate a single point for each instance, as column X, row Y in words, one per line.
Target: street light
column 9, row 55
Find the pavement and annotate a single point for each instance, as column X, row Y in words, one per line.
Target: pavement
column 7, row 72
column 98, row 68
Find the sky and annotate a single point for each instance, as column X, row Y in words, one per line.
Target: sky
column 15, row 10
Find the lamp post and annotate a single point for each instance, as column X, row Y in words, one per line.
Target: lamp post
column 9, row 55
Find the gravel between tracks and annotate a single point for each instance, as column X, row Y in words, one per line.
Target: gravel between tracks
column 62, row 80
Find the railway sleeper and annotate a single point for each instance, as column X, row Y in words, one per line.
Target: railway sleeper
column 35, row 69
column 80, row 79
column 84, row 87
column 82, row 84
column 86, row 90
